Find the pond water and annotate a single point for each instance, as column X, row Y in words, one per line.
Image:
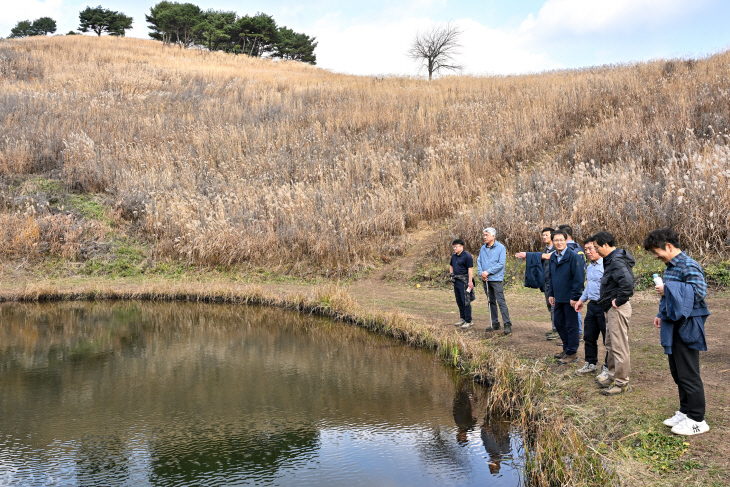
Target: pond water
column 106, row 394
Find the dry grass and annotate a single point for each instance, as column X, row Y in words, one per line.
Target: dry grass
column 226, row 158
column 692, row 195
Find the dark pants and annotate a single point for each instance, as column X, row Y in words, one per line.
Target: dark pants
column 495, row 293
column 549, row 306
column 566, row 322
column 462, row 298
column 595, row 325
column 684, row 363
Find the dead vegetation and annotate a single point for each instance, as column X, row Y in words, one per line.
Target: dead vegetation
column 219, row 159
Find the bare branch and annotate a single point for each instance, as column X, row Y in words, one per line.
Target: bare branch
column 437, row 48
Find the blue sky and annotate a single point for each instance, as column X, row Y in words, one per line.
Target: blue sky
column 500, row 37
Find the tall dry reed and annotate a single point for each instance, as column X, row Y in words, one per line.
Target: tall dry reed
column 690, row 194
column 230, row 159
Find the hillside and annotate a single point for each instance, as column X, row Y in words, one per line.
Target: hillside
column 170, row 155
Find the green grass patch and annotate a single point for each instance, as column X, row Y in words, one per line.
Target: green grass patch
column 45, row 185
column 718, row 273
column 88, row 207
column 661, row 451
column 124, row 260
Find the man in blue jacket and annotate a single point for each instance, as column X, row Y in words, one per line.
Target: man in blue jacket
column 681, row 318
column 567, row 276
column 490, row 268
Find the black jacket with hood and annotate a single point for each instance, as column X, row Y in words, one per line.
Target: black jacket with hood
column 618, row 279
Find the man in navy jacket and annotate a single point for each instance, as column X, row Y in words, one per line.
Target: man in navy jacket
column 567, row 276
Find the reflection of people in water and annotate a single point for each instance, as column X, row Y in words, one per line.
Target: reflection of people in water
column 464, row 411
column 495, row 435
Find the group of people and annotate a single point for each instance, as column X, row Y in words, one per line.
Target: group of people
column 599, row 277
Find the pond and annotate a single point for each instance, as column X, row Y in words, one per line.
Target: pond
column 107, row 394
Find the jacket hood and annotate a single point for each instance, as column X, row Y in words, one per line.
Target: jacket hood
column 622, row 255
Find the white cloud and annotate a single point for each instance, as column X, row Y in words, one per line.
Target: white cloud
column 560, row 18
column 380, row 48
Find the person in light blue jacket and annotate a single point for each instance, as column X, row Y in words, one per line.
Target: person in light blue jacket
column 490, row 268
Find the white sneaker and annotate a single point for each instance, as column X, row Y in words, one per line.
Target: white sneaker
column 676, row 419
column 688, row 427
column 466, row 325
column 460, row 322
column 604, row 373
column 586, row 369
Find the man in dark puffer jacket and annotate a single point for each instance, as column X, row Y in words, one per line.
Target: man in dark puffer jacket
column 617, row 286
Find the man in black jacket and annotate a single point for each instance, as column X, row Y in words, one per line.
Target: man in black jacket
column 617, row 286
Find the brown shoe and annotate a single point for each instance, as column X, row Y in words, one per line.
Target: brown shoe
column 604, row 383
column 568, row 359
column 615, row 390
column 560, row 355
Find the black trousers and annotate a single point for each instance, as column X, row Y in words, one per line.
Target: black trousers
column 461, row 298
column 566, row 322
column 594, row 326
column 684, row 363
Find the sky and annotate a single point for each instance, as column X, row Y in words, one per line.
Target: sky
column 499, row 36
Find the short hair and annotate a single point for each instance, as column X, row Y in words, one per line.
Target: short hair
column 458, row 241
column 559, row 232
column 659, row 238
column 490, row 231
column 547, row 229
column 567, row 229
column 590, row 238
column 603, row 238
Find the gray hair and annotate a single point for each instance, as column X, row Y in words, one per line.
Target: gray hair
column 491, row 231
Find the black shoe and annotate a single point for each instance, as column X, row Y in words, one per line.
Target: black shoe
column 508, row 329
column 495, row 326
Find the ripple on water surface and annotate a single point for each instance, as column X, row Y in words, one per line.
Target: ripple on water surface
column 182, row 394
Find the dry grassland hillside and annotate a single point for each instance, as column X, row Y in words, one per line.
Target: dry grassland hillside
column 221, row 159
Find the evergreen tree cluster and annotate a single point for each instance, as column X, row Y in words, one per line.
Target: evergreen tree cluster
column 186, row 24
column 39, row 27
column 101, row 20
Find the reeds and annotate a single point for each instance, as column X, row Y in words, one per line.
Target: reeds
column 228, row 159
column 690, row 194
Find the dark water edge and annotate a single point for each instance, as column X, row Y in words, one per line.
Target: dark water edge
column 131, row 393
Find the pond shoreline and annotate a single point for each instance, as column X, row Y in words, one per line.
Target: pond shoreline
column 523, row 389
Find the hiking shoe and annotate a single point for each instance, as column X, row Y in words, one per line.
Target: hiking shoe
column 466, row 325
column 689, row 427
column 459, row 323
column 507, row 329
column 558, row 356
column 615, row 390
column 568, row 359
column 604, row 382
column 552, row 335
column 586, row 369
column 676, row 419
column 604, row 373
column 495, row 326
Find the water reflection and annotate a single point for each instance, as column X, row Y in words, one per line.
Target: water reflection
column 186, row 394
